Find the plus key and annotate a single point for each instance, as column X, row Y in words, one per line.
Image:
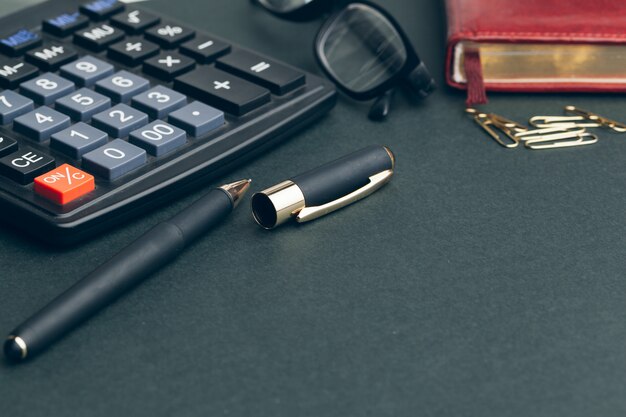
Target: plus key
column 222, row 90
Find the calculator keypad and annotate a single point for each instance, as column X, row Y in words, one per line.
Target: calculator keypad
column 99, row 118
column 64, row 184
column 46, row 88
column 13, row 72
column 197, row 118
column 50, row 57
column 82, row 104
column 120, row 120
column 97, row 37
column 132, row 52
column 159, row 101
column 114, row 159
column 19, row 42
column 158, row 138
column 86, row 71
column 41, row 123
column 7, row 145
column 134, row 21
column 13, row 105
column 122, row 86
column 25, row 164
column 78, row 139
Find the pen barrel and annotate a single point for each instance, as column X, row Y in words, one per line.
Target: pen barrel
column 122, row 272
column 343, row 176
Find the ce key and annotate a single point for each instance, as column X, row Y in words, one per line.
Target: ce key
column 64, row 184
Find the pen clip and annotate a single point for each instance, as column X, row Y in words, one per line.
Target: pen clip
column 376, row 181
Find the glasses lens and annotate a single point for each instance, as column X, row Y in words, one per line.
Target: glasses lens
column 284, row 6
column 361, row 49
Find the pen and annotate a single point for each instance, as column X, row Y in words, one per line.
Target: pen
column 121, row 273
column 324, row 189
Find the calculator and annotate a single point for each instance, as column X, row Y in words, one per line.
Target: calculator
column 109, row 109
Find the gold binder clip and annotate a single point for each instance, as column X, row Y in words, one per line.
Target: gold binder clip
column 554, row 137
column 580, row 118
column 506, row 126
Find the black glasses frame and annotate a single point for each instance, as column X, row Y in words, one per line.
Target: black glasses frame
column 413, row 71
column 412, row 59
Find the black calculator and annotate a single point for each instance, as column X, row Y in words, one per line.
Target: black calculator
column 107, row 110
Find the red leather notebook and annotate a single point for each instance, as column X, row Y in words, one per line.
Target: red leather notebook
column 536, row 46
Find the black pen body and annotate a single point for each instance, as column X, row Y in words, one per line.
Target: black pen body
column 342, row 176
column 324, row 187
column 118, row 275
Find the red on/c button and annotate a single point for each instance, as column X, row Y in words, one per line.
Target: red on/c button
column 64, row 184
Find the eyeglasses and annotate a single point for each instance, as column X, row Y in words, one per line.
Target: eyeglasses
column 362, row 49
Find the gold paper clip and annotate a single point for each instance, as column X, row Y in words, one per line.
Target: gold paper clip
column 506, row 126
column 553, row 137
column 580, row 115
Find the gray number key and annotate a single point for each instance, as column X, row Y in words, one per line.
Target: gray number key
column 41, row 123
column 46, row 88
column 82, row 104
column 77, row 140
column 158, row 138
column 159, row 101
column 122, row 85
column 13, row 105
column 197, row 118
column 114, row 159
column 119, row 120
column 86, row 71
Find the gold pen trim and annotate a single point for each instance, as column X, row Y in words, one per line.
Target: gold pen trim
column 376, row 181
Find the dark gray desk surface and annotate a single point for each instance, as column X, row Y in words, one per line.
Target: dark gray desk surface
column 479, row 282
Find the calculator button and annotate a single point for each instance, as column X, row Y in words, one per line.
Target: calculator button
column 197, row 118
column 132, row 52
column 41, row 123
column 64, row 184
column 97, row 38
column 82, row 104
column 13, row 105
column 159, row 101
column 87, row 70
column 50, row 57
column 7, row 145
column 169, row 35
column 279, row 78
column 46, row 88
column 114, row 159
column 77, row 140
column 204, row 49
column 168, row 65
column 14, row 72
column 122, row 85
column 19, row 42
column 26, row 164
column 65, row 24
column 222, row 90
column 101, row 9
column 158, row 138
column 134, row 21
column 119, row 120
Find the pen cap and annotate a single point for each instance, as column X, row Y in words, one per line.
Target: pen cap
column 321, row 186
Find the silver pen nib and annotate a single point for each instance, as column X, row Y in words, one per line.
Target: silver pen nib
column 237, row 190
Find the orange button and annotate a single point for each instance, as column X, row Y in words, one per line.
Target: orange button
column 64, row 184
